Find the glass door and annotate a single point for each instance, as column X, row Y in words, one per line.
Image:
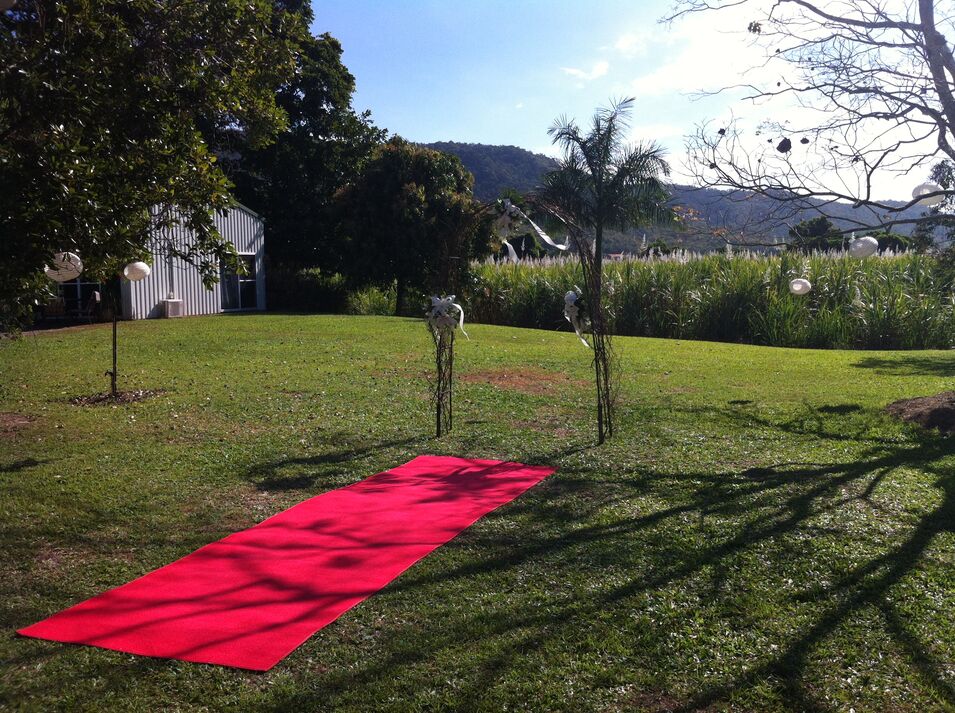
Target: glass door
column 239, row 291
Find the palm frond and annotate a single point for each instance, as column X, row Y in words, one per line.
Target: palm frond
column 602, row 180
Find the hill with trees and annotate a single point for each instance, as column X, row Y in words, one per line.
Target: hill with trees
column 496, row 168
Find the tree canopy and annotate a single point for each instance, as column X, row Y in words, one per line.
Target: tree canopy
column 820, row 235
column 815, row 235
column 410, row 219
column 291, row 182
column 102, row 111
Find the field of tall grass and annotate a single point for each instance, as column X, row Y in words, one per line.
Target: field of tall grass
column 901, row 301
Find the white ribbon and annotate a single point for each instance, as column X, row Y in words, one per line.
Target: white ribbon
column 572, row 315
column 439, row 316
column 540, row 233
column 505, row 222
column 511, row 252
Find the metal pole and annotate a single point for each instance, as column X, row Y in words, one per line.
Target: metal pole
column 112, row 374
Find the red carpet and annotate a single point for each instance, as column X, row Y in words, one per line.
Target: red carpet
column 251, row 598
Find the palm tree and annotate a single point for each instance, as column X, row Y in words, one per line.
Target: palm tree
column 604, row 182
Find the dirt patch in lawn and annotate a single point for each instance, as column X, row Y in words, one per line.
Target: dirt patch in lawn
column 661, row 703
column 927, row 411
column 543, row 427
column 120, row 397
column 535, row 382
column 546, row 421
column 10, row 423
column 50, row 559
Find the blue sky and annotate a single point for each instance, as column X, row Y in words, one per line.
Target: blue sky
column 497, row 72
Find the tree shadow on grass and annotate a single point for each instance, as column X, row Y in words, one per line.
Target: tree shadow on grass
column 303, row 473
column 566, row 520
column 22, row 465
column 866, row 585
column 840, row 409
column 909, row 365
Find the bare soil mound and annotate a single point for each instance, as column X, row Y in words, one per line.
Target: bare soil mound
column 928, row 411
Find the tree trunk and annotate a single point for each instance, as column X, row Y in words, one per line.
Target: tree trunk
column 603, row 368
column 399, row 297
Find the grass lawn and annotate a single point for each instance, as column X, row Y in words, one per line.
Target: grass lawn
column 758, row 535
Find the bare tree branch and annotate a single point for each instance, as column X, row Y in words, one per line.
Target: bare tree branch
column 874, row 83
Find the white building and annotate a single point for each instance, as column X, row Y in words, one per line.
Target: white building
column 174, row 287
column 173, row 280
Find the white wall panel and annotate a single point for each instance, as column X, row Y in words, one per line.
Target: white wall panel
column 143, row 299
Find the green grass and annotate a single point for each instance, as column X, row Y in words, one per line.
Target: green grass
column 758, row 536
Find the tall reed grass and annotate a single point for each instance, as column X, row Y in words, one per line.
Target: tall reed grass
column 888, row 302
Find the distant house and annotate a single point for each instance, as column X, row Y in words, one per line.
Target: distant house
column 174, row 288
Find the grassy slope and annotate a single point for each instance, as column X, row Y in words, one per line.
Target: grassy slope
column 758, row 536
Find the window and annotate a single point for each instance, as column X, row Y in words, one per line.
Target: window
column 78, row 297
column 239, row 291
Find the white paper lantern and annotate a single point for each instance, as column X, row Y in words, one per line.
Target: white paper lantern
column 136, row 271
column 800, row 286
column 863, row 247
column 65, row 267
column 926, row 188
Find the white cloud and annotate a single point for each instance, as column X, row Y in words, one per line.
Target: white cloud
column 519, row 105
column 598, row 70
column 699, row 52
column 632, row 44
column 699, row 66
column 657, row 131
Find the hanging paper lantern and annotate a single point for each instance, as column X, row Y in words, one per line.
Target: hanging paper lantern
column 65, row 267
column 800, row 286
column 136, row 271
column 863, row 247
column 926, row 188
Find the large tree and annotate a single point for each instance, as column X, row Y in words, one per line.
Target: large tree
column 868, row 91
column 292, row 181
column 603, row 182
column 102, row 106
column 410, row 219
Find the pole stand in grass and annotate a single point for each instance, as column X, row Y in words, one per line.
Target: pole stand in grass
column 134, row 272
column 600, row 339
column 114, row 309
column 442, row 326
column 591, row 265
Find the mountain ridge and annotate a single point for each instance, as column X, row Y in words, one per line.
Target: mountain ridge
column 499, row 167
